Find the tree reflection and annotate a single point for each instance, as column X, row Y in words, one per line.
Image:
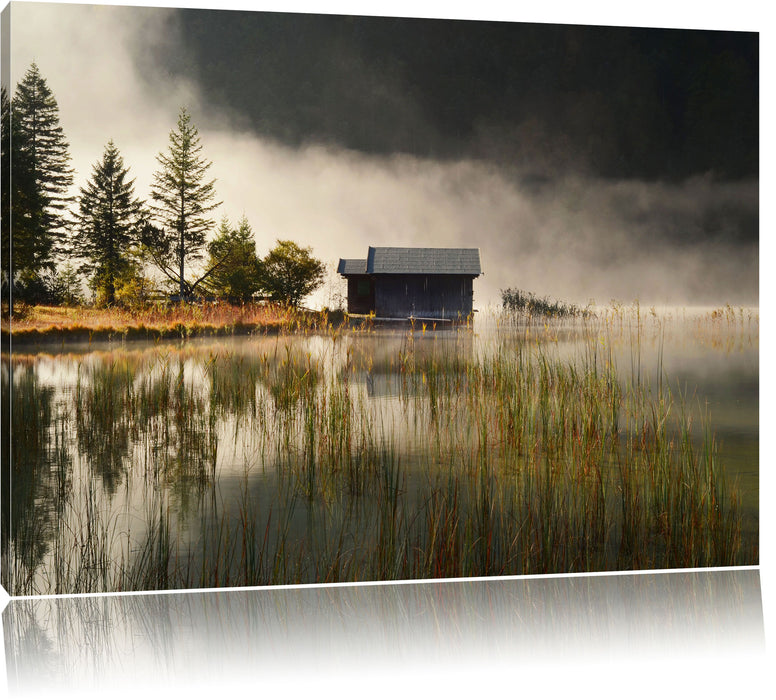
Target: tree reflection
column 35, row 473
column 103, row 406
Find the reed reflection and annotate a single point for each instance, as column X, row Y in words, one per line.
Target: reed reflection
column 379, row 456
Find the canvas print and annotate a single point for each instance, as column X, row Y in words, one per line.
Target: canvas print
column 302, row 299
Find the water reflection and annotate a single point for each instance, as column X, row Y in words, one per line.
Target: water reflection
column 381, row 456
column 255, row 638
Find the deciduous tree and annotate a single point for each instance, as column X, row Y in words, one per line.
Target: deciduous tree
column 290, row 273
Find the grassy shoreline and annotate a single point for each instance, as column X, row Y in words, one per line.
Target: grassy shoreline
column 50, row 324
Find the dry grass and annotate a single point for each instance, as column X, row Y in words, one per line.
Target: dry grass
column 58, row 323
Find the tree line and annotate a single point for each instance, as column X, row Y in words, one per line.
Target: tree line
column 108, row 237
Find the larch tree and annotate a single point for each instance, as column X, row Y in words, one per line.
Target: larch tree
column 183, row 198
column 41, row 177
column 107, row 224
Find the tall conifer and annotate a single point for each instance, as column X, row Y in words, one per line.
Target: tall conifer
column 183, row 199
column 41, row 175
column 107, row 222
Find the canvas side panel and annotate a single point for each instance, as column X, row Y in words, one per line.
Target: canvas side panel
column 5, row 301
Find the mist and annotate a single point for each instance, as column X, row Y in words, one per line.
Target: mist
column 568, row 235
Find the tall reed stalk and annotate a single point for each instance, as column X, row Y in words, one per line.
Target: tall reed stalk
column 509, row 458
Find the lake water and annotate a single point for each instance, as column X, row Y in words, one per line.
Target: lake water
column 292, row 459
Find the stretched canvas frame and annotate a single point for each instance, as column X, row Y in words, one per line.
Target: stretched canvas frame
column 213, row 444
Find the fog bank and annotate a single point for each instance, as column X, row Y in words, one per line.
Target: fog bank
column 566, row 236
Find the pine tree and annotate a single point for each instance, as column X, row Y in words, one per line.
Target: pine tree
column 107, row 223
column 235, row 267
column 183, row 199
column 41, row 176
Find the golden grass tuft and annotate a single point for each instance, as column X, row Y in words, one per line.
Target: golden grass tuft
column 42, row 324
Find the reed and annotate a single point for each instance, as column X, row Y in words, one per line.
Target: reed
column 511, row 457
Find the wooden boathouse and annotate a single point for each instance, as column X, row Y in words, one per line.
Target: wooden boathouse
column 405, row 284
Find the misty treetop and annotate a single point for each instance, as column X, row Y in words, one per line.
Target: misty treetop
column 41, row 177
column 107, row 223
column 236, row 269
column 40, row 142
column 289, row 273
column 183, row 197
column 110, row 235
column 286, row 274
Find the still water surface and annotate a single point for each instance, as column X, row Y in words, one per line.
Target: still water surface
column 189, row 445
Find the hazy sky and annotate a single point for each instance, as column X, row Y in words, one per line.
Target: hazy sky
column 586, row 163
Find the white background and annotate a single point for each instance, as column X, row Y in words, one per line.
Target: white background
column 629, row 677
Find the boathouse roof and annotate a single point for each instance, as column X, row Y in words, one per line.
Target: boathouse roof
column 414, row 261
column 351, row 266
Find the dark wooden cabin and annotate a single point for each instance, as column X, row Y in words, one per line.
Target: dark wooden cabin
column 412, row 283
